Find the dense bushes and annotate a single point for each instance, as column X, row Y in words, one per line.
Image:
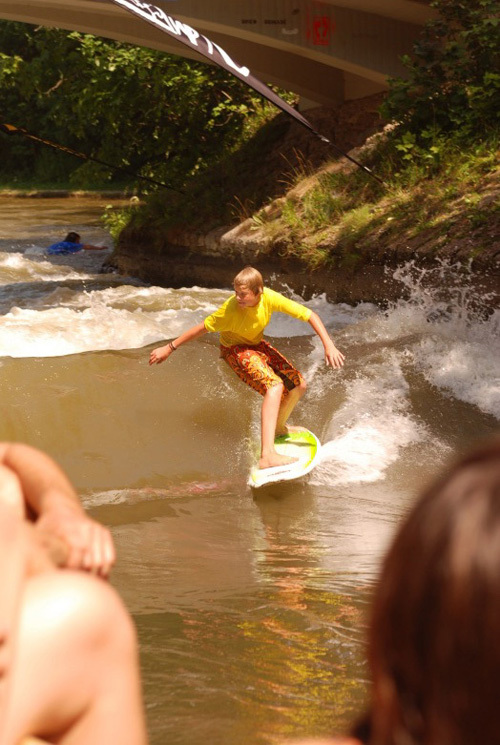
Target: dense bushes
column 453, row 77
column 153, row 113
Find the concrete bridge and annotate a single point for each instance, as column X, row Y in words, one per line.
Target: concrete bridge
column 327, row 52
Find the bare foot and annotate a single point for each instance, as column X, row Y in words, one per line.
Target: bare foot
column 288, row 428
column 275, row 459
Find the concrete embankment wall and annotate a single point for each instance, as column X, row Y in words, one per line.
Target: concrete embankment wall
column 214, row 259
column 185, row 259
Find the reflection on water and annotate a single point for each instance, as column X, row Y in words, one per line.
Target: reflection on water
column 251, row 607
column 259, row 636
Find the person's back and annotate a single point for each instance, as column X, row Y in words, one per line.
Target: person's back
column 71, row 244
column 434, row 641
column 64, row 247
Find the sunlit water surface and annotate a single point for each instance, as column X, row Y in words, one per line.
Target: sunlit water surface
column 251, row 606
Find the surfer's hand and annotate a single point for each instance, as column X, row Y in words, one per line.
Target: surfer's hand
column 160, row 354
column 333, row 356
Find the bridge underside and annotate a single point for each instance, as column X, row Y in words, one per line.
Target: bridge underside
column 327, row 52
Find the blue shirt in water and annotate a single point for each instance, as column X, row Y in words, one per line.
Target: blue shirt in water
column 64, row 247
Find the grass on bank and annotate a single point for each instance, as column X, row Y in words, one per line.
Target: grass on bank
column 328, row 216
column 428, row 191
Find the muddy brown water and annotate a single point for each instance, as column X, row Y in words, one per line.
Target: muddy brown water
column 251, row 607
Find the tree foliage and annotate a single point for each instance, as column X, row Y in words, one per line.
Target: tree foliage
column 453, row 77
column 150, row 112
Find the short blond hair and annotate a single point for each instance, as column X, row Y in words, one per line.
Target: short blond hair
column 251, row 278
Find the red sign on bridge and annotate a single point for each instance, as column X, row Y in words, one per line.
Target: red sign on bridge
column 320, row 27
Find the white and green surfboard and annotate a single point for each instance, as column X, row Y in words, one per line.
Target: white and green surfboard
column 303, row 445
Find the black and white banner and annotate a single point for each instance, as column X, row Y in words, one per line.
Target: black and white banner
column 212, row 51
column 209, row 49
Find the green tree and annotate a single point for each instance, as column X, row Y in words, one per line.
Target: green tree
column 454, row 74
column 150, row 112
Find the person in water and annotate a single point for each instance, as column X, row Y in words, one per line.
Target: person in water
column 433, row 639
column 241, row 321
column 71, row 245
column 69, row 669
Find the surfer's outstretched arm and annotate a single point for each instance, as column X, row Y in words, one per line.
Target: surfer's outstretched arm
column 160, row 354
column 333, row 356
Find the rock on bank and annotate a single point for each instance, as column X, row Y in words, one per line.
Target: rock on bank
column 183, row 259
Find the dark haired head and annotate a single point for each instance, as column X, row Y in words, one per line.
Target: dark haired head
column 434, row 646
column 72, row 238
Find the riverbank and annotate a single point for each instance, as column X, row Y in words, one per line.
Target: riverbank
column 37, row 193
column 325, row 227
column 212, row 260
column 310, row 223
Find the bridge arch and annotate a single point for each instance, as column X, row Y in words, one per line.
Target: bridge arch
column 327, row 52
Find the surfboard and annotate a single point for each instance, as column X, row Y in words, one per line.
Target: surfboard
column 303, row 445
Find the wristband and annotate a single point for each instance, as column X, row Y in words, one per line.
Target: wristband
column 171, row 345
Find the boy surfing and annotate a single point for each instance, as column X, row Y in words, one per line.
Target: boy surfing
column 241, row 321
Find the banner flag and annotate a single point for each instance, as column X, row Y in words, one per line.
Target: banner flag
column 212, row 51
column 209, row 49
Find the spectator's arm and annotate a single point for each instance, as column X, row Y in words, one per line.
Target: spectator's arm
column 56, row 509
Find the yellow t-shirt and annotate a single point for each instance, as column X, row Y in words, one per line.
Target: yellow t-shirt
column 246, row 325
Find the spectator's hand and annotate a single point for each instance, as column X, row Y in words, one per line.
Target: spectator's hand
column 89, row 544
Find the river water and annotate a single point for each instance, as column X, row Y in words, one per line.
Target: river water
column 251, row 606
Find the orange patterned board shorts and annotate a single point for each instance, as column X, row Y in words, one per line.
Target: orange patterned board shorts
column 261, row 367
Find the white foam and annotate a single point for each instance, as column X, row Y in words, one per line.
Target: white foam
column 14, row 267
column 335, row 316
column 453, row 335
column 443, row 329
column 62, row 331
column 123, row 317
column 373, row 425
column 109, row 319
column 465, row 363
